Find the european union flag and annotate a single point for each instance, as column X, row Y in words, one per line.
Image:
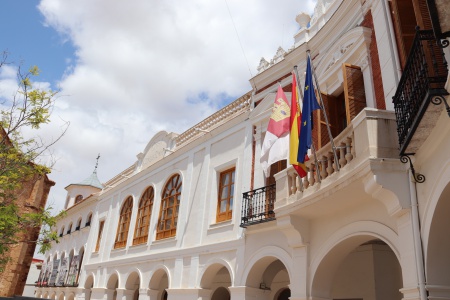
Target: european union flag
column 309, row 105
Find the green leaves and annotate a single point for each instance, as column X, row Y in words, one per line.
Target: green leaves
column 29, row 108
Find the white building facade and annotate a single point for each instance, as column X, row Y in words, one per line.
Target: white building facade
column 195, row 217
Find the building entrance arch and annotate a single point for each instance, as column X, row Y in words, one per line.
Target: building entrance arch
column 217, row 278
column 133, row 283
column 268, row 277
column 159, row 282
column 438, row 249
column 358, row 267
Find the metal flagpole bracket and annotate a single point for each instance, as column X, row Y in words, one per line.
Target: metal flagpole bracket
column 419, row 178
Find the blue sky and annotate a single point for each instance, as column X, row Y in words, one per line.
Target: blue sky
column 129, row 69
column 26, row 39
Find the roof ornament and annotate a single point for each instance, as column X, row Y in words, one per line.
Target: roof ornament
column 96, row 163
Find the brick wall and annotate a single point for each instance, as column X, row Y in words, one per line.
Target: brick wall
column 30, row 198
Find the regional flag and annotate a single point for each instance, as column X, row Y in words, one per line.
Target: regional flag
column 295, row 130
column 309, row 105
column 276, row 142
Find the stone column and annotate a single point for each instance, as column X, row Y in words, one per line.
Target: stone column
column 83, row 294
column 100, row 294
column 408, row 264
column 188, row 294
column 298, row 285
column 204, row 294
column 143, row 294
column 153, row 294
column 124, row 294
column 248, row 293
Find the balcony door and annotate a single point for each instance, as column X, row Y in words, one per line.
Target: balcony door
column 406, row 15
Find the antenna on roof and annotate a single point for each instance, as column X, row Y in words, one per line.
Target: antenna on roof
column 96, row 164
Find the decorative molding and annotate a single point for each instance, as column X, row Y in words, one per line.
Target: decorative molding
column 263, row 65
column 234, row 108
column 338, row 54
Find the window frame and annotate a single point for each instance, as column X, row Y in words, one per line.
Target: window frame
column 78, row 226
column 144, row 213
column 228, row 213
column 101, row 225
column 175, row 184
column 88, row 220
column 78, row 199
column 123, row 226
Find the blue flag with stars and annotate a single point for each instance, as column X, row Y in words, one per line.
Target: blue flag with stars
column 309, row 105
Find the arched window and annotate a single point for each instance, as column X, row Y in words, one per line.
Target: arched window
column 124, row 223
column 78, row 199
column 143, row 217
column 61, row 232
column 78, row 225
column 168, row 214
column 69, row 229
column 88, row 220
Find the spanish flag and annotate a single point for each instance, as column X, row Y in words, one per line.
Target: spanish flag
column 295, row 130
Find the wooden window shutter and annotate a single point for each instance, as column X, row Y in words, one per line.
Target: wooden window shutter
column 422, row 14
column 323, row 137
column 404, row 20
column 332, row 110
column 274, row 169
column 355, row 96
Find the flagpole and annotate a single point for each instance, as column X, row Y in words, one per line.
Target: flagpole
column 333, row 147
column 319, row 178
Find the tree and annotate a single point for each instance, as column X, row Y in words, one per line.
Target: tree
column 27, row 110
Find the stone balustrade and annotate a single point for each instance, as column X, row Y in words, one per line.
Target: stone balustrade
column 371, row 135
column 325, row 165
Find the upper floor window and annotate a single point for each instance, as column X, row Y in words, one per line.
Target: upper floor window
column 168, row 214
column 143, row 217
column 342, row 108
column 88, row 220
column 124, row 223
column 61, row 232
column 78, row 225
column 78, row 199
column 69, row 229
column 99, row 237
column 225, row 195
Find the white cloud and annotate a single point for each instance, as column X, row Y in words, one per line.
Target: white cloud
column 142, row 66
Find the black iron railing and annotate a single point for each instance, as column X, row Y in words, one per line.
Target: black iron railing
column 422, row 81
column 258, row 206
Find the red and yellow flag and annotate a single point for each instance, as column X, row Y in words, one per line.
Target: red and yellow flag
column 295, row 130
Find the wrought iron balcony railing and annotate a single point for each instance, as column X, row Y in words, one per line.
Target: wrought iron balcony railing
column 422, row 82
column 258, row 206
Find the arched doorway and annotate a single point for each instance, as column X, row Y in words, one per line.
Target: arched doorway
column 270, row 276
column 217, row 278
column 360, row 267
column 221, row 293
column 160, row 282
column 133, row 283
column 112, row 285
column 438, row 249
column 88, row 285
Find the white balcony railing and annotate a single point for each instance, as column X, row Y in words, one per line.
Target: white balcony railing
column 371, row 135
